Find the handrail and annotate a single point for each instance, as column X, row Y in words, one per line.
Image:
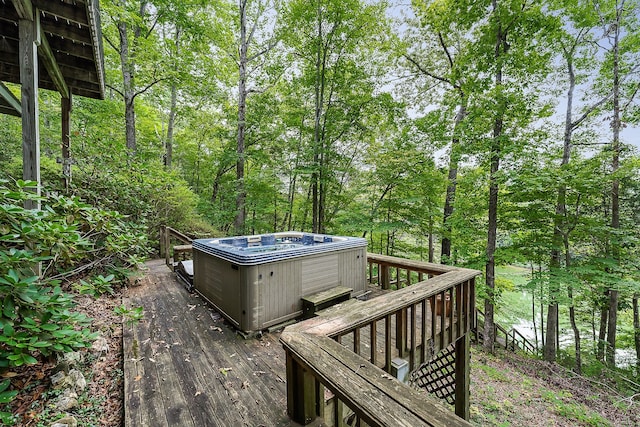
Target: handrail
column 517, row 339
column 328, row 351
column 166, row 234
column 406, row 270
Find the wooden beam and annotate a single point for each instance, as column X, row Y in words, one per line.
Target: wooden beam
column 14, row 107
column 51, row 65
column 63, row 11
column 24, row 8
column 29, row 93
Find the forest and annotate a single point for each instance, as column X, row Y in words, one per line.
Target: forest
column 474, row 133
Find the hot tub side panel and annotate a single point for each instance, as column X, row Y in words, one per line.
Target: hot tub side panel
column 220, row 282
column 339, row 268
column 272, row 294
column 352, row 265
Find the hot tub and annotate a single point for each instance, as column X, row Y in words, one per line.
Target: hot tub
column 257, row 281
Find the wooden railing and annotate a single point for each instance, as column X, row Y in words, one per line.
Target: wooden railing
column 350, row 349
column 168, row 238
column 510, row 339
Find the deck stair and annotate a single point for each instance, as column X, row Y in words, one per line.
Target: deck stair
column 511, row 339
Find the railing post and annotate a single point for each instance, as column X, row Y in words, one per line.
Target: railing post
column 302, row 393
column 161, row 241
column 167, row 245
column 463, row 362
column 385, row 277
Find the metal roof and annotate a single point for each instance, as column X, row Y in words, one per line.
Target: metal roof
column 70, row 51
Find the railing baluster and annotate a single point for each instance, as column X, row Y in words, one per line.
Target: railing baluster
column 338, row 420
column 443, row 320
column 385, row 276
column 412, row 351
column 458, row 307
column 373, row 338
column 356, row 340
column 387, row 343
column 423, row 347
column 449, row 314
column 401, row 331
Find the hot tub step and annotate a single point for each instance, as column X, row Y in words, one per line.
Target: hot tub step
column 324, row 299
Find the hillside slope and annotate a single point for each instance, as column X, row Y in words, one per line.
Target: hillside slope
column 513, row 390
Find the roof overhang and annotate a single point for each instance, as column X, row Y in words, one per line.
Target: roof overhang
column 70, row 47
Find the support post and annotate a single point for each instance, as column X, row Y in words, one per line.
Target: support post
column 66, row 141
column 28, row 31
column 302, row 393
column 463, row 363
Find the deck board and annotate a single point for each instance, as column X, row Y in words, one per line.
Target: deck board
column 184, row 366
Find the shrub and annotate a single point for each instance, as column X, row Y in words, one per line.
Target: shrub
column 40, row 248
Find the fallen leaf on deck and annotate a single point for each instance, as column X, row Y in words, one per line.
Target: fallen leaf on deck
column 215, row 328
column 152, row 360
column 245, row 385
column 137, row 378
column 198, row 393
column 224, row 371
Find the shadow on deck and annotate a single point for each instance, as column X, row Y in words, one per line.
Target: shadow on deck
column 184, row 366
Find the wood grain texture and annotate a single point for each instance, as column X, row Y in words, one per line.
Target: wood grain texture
column 184, row 366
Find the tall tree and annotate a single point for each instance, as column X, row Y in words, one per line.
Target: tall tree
column 574, row 45
column 334, row 43
column 619, row 20
column 438, row 46
column 252, row 19
column 130, row 33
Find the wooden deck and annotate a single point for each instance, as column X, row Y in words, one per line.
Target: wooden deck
column 184, row 366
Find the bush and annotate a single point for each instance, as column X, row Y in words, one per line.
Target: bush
column 154, row 197
column 40, row 248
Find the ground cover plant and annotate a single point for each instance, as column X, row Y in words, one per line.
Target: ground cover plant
column 41, row 253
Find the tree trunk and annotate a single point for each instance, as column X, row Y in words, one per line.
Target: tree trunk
column 533, row 309
column 454, row 157
column 615, row 187
column 241, row 194
column 127, row 67
column 492, row 227
column 168, row 155
column 602, row 331
column 572, row 310
column 430, row 238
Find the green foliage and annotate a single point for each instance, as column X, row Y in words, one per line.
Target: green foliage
column 6, row 396
column 97, row 286
column 66, row 237
column 131, row 315
column 563, row 405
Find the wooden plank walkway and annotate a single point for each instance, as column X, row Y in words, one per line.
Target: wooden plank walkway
column 184, row 366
